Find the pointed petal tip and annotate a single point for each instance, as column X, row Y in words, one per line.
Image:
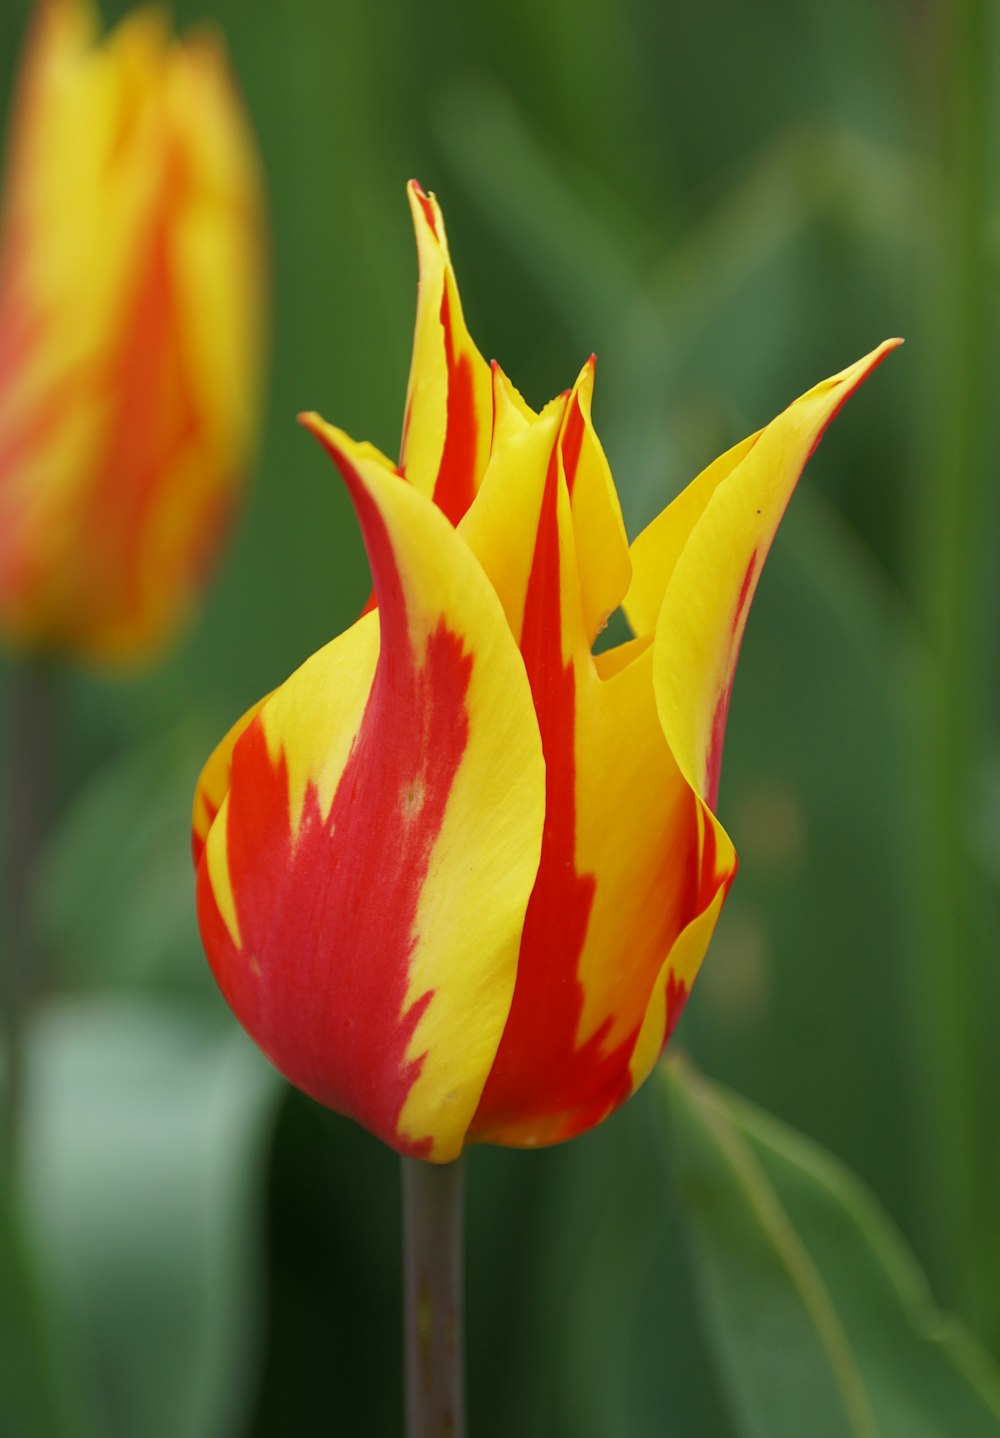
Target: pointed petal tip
column 584, row 382
column 327, row 434
column 870, row 361
column 342, row 448
column 844, row 385
column 425, row 211
column 854, row 374
column 885, row 348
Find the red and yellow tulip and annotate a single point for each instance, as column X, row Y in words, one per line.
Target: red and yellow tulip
column 130, row 319
column 457, row 874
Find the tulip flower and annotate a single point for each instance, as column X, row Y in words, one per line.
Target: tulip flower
column 456, row 875
column 130, row 308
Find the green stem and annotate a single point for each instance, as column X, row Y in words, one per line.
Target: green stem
column 432, row 1297
column 956, row 569
column 27, row 797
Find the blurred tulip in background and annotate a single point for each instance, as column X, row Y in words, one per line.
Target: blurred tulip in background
column 130, row 331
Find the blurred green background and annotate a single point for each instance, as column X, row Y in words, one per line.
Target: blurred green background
column 726, row 203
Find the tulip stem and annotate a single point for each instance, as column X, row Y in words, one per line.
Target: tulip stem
column 27, row 791
column 432, row 1299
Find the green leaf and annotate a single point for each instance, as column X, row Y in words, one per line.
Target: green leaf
column 820, row 1318
column 38, row 1395
column 145, row 1133
column 575, row 1259
column 112, row 899
column 528, row 199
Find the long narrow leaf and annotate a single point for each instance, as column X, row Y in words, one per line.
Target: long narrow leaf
column 820, row 1318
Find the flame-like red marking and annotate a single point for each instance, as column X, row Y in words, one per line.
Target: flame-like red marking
column 676, row 998
column 702, row 884
column 428, row 209
column 326, row 913
column 155, row 416
column 21, row 557
column 717, row 738
column 455, row 486
column 572, row 442
column 198, row 838
column 539, row 1072
column 703, row 876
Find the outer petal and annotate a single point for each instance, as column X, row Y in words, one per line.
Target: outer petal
column 698, row 565
column 655, row 551
column 213, row 781
column 709, row 551
column 363, row 887
column 449, row 406
column 624, row 865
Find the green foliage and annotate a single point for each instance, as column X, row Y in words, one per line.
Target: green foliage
column 113, row 891
column 145, row 1138
column 819, row 1317
column 39, row 1396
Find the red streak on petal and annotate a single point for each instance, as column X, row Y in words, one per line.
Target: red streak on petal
column 427, row 208
column 703, row 883
column 713, row 763
column 406, row 428
column 572, row 442
column 327, row 913
column 22, row 330
column 701, row 863
column 154, row 418
column 676, row 998
column 704, row 876
column 455, row 487
column 198, row 839
column 539, row 1072
column 739, row 613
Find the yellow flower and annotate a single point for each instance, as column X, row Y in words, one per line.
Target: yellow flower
column 457, row 874
column 130, row 319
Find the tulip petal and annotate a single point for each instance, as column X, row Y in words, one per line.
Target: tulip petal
column 624, row 866
column 213, row 781
column 383, row 825
column 716, row 869
column 449, row 402
column 511, row 411
column 705, row 554
column 598, row 528
column 501, row 523
column 655, row 551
